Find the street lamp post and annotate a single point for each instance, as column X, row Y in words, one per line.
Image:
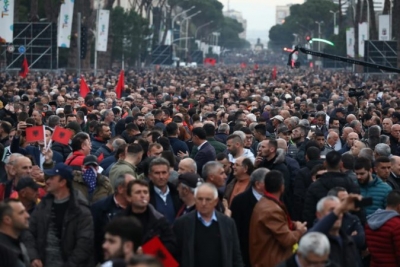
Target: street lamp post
column 187, row 29
column 95, row 38
column 202, row 26
column 172, row 28
column 336, row 32
column 319, row 34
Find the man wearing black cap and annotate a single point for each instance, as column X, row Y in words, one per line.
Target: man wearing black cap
column 92, row 184
column 61, row 228
column 27, row 190
column 187, row 183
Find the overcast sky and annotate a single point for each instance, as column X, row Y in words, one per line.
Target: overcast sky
column 260, row 14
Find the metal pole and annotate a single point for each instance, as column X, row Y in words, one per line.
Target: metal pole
column 173, row 29
column 186, row 41
column 79, row 42
column 123, row 61
column 208, row 23
column 95, row 38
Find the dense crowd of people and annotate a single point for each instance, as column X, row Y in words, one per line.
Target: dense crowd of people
column 217, row 167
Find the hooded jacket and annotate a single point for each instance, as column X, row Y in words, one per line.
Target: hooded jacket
column 378, row 190
column 383, row 238
column 320, row 189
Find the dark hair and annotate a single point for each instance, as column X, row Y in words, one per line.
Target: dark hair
column 171, row 128
column 131, row 127
column 164, row 141
column 209, row 129
column 273, row 181
column 222, row 156
column 128, row 228
column 169, row 156
column 154, row 136
column 313, row 153
column 312, row 143
column 333, row 159
column 246, row 130
column 335, row 191
column 99, row 128
column 134, row 149
column 146, row 260
column 137, row 115
column 249, row 164
column 200, row 133
column 316, row 169
column 319, row 134
column 77, row 141
column 348, row 161
column 261, row 129
column 381, row 160
column 132, row 183
column 6, row 209
column 6, row 127
column 393, row 198
column 362, row 163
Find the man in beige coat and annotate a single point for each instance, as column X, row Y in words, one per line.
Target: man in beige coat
column 272, row 233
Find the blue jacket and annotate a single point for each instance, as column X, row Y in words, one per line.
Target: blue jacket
column 378, row 190
column 178, row 145
column 33, row 151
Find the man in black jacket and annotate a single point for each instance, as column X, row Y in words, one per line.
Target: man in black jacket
column 206, row 237
column 104, row 210
column 331, row 179
column 163, row 195
column 153, row 222
column 303, row 180
column 61, row 227
column 13, row 220
column 330, row 213
column 242, row 208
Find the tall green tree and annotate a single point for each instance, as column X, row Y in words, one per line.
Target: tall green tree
column 130, row 35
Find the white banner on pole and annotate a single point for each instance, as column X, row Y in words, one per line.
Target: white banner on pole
column 7, row 20
column 350, row 38
column 65, row 24
column 102, row 31
column 362, row 37
column 384, row 28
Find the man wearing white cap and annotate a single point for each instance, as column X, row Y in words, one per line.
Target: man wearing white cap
column 276, row 123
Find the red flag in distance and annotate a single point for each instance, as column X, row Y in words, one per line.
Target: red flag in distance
column 84, row 90
column 120, row 85
column 24, row 68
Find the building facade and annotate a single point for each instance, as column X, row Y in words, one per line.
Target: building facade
column 239, row 17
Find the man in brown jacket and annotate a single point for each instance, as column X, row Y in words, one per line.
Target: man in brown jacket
column 272, row 233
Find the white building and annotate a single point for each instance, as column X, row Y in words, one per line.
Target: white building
column 281, row 13
column 237, row 15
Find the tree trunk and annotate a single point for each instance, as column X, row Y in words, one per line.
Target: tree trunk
column 16, row 10
column 52, row 10
column 356, row 22
column 340, row 17
column 373, row 31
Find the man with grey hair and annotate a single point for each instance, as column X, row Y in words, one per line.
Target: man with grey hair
column 382, row 150
column 149, row 121
column 104, row 210
column 330, row 212
column 242, row 208
column 109, row 120
column 187, row 165
column 107, row 149
column 223, row 132
column 53, row 121
column 196, row 233
column 313, row 247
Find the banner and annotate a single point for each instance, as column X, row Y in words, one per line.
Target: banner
column 350, row 39
column 385, row 33
column 102, row 30
column 65, row 24
column 363, row 35
column 7, row 20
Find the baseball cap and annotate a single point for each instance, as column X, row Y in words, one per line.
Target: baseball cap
column 90, row 160
column 90, row 103
column 283, row 129
column 278, row 117
column 26, row 182
column 190, row 179
column 61, row 169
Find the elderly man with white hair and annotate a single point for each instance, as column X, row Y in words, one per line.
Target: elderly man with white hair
column 314, row 250
column 330, row 211
column 205, row 236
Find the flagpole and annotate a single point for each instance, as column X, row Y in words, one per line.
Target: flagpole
column 95, row 38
